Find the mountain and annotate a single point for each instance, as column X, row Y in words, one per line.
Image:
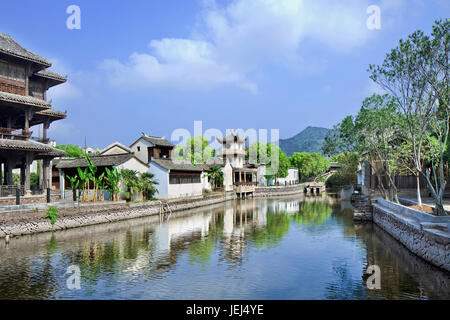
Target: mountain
column 309, row 140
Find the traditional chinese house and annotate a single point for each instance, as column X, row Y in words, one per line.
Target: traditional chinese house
column 175, row 178
column 24, row 81
column 244, row 175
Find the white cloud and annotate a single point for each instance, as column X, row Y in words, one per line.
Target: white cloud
column 232, row 42
column 63, row 132
column 64, row 91
column 67, row 90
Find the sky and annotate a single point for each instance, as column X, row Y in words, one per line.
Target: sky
column 157, row 66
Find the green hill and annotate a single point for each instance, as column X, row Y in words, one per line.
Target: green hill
column 309, row 140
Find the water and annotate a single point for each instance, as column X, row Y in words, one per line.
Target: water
column 282, row 248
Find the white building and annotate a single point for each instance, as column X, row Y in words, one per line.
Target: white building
column 291, row 178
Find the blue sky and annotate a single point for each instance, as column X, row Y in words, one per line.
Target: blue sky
column 156, row 66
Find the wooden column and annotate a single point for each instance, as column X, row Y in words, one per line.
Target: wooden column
column 8, row 173
column 27, row 185
column 22, row 175
column 45, row 127
column 46, row 170
column 61, row 183
column 27, row 121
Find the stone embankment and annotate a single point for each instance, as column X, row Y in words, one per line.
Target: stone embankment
column 28, row 220
column 425, row 235
column 362, row 205
column 12, row 224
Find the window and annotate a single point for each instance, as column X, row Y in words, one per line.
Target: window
column 184, row 178
column 139, row 149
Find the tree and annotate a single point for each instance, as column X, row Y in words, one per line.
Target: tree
column 131, row 181
column 379, row 130
column 112, row 182
column 346, row 174
column 216, row 176
column 304, row 162
column 146, row 185
column 341, row 138
column 415, row 73
column 197, row 150
column 72, row 151
column 266, row 153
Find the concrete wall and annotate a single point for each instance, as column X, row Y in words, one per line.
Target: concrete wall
column 227, row 177
column 162, row 176
column 206, row 185
column 142, row 154
column 184, row 190
column 134, row 164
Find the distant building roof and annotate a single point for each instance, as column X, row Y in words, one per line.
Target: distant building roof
column 45, row 149
column 231, row 137
column 177, row 165
column 11, row 47
column 99, row 161
column 157, row 141
column 335, row 165
column 116, row 144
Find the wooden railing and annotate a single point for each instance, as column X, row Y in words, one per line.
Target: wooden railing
column 20, row 134
column 10, row 190
column 245, row 183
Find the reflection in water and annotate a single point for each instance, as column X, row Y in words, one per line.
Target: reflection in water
column 301, row 247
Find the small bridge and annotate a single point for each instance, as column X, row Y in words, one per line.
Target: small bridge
column 313, row 187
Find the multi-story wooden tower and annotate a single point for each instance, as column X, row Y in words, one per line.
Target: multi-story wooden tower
column 24, row 81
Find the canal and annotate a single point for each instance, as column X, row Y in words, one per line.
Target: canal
column 297, row 247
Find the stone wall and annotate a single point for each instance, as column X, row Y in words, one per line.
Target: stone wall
column 362, row 205
column 285, row 190
column 423, row 234
column 97, row 215
column 9, row 201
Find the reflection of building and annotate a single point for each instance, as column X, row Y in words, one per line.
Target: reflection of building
column 24, row 81
column 289, row 206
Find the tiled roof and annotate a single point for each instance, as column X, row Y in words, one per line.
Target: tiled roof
column 11, row 47
column 46, row 73
column 177, row 165
column 11, row 97
column 99, row 161
column 116, row 144
column 10, row 144
column 157, row 141
column 53, row 113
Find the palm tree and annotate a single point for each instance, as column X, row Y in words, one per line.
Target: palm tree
column 146, row 183
column 216, row 176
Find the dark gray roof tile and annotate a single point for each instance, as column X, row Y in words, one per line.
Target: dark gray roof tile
column 11, row 47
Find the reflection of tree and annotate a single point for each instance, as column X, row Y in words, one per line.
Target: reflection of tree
column 200, row 250
column 271, row 234
column 312, row 213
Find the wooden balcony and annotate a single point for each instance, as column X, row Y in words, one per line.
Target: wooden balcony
column 244, row 187
column 16, row 134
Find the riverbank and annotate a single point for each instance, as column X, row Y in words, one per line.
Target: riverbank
column 423, row 234
column 29, row 222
